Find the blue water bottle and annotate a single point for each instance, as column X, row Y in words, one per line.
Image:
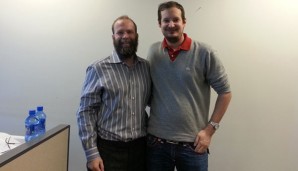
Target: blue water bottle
column 41, row 116
column 31, row 123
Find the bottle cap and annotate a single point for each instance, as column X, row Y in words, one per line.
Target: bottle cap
column 31, row 112
column 39, row 108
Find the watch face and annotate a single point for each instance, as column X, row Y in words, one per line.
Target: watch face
column 216, row 126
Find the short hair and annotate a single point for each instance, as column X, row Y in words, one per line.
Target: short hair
column 168, row 5
column 124, row 17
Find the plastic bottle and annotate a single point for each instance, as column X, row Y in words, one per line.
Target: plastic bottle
column 41, row 116
column 31, row 123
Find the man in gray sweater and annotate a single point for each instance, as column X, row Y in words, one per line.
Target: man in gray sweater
column 183, row 72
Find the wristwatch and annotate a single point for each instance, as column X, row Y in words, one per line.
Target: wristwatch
column 214, row 125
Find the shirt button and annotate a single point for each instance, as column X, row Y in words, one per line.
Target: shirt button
column 133, row 98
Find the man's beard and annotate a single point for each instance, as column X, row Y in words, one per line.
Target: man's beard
column 172, row 39
column 126, row 52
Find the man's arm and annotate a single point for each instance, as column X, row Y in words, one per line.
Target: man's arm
column 87, row 114
column 203, row 138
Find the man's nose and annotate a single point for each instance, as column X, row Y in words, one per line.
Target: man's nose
column 171, row 24
column 125, row 35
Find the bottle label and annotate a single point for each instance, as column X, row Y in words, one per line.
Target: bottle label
column 30, row 129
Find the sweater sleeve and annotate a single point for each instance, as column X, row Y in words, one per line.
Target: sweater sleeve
column 216, row 74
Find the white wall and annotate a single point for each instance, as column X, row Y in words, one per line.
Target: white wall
column 46, row 45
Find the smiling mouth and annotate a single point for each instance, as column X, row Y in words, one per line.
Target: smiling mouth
column 171, row 30
column 125, row 44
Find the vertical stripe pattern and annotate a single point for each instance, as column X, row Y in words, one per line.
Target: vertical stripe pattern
column 113, row 102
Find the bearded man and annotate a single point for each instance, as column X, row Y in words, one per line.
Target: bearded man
column 111, row 117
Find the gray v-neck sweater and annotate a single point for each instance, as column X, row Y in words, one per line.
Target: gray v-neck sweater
column 181, row 90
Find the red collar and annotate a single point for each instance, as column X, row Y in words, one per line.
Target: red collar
column 174, row 53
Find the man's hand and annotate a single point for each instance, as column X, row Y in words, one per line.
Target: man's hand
column 96, row 165
column 203, row 139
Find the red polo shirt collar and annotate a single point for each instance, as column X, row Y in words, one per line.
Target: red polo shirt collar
column 174, row 53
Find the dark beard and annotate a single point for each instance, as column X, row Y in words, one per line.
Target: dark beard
column 172, row 39
column 126, row 52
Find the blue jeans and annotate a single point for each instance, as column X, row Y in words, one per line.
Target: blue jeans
column 163, row 156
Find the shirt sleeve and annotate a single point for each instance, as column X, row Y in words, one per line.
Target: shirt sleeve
column 88, row 113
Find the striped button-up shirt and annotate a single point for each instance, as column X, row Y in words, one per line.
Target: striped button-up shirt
column 113, row 102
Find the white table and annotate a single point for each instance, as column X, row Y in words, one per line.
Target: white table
column 8, row 142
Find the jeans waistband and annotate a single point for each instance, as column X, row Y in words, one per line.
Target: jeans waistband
column 161, row 140
column 165, row 141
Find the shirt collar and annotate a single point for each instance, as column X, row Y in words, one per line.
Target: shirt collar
column 115, row 58
column 184, row 46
